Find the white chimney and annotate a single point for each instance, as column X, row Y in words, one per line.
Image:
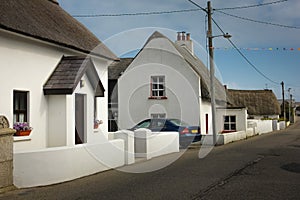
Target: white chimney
column 185, row 41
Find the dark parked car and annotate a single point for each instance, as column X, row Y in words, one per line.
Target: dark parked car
column 187, row 133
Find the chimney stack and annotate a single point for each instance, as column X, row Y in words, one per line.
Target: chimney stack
column 184, row 40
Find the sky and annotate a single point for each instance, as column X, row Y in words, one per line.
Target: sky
column 267, row 35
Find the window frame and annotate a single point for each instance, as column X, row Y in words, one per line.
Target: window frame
column 155, row 87
column 18, row 97
column 231, row 123
column 158, row 115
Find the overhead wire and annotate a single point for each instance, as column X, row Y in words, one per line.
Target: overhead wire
column 243, row 56
column 251, row 6
column 137, row 14
column 257, row 21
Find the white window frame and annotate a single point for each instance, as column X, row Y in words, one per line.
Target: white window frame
column 156, row 90
column 230, row 122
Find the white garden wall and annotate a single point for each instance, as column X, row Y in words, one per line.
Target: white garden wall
column 152, row 144
column 55, row 165
column 261, row 126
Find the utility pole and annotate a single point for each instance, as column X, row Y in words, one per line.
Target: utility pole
column 212, row 72
column 290, row 102
column 283, row 102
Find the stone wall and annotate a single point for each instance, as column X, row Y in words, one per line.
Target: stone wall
column 6, row 153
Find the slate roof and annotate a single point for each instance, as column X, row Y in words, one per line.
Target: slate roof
column 258, row 102
column 69, row 72
column 116, row 68
column 45, row 20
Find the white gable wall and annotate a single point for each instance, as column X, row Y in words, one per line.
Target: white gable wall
column 159, row 57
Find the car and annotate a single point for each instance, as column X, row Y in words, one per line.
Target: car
column 187, row 133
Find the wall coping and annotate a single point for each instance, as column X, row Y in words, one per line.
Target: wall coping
column 6, row 132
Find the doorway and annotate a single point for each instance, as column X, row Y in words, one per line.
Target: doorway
column 80, row 115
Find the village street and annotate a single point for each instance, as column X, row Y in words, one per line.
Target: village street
column 262, row 167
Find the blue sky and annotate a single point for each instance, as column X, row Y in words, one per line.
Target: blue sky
column 254, row 39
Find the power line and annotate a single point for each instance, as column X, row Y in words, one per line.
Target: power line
column 251, row 6
column 257, row 21
column 138, row 13
column 245, row 58
column 197, row 5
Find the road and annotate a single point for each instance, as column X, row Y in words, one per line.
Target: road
column 262, row 167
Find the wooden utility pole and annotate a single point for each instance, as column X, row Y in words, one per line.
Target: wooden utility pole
column 212, row 72
column 283, row 102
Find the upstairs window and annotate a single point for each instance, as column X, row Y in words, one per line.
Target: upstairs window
column 230, row 123
column 158, row 87
column 20, row 106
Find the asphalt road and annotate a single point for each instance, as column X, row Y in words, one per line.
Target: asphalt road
column 262, row 167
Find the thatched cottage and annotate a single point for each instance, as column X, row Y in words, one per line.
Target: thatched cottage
column 54, row 76
column 164, row 80
column 259, row 103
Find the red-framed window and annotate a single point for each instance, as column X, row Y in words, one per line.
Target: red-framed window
column 157, row 87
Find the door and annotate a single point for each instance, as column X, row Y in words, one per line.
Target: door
column 80, row 133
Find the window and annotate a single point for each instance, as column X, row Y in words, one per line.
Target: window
column 20, row 106
column 230, row 123
column 158, row 115
column 158, row 87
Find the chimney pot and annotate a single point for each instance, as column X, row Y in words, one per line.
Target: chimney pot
column 178, row 36
column 188, row 36
column 183, row 35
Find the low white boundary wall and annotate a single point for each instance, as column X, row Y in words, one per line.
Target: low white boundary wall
column 55, row 165
column 151, row 144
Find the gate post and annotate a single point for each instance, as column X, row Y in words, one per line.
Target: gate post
column 6, row 154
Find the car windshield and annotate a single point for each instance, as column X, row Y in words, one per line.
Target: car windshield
column 178, row 122
column 144, row 124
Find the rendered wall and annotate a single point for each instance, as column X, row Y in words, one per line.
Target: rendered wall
column 159, row 57
column 241, row 118
column 55, row 165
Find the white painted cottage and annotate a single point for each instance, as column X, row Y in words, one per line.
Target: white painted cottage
column 165, row 79
column 54, row 76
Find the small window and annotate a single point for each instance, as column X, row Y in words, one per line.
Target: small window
column 230, row 123
column 158, row 115
column 157, row 87
column 20, row 106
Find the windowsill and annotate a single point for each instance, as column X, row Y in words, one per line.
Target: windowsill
column 22, row 138
column 228, row 131
column 158, row 98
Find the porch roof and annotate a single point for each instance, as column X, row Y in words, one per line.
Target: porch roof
column 69, row 72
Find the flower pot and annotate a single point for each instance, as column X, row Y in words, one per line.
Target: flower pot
column 23, row 133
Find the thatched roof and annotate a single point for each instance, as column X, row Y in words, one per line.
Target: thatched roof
column 69, row 72
column 45, row 20
column 258, row 102
column 116, row 68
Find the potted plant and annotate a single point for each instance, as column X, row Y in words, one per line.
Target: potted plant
column 97, row 123
column 22, row 128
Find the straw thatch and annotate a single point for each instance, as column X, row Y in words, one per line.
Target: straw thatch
column 116, row 68
column 45, row 20
column 258, row 102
